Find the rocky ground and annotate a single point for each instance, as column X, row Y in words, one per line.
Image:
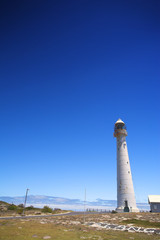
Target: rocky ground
column 106, row 226
column 148, row 223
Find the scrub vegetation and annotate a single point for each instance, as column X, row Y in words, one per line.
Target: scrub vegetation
column 142, row 223
column 7, row 209
column 33, row 229
column 73, row 227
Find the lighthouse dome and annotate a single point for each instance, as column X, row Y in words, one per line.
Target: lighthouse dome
column 119, row 121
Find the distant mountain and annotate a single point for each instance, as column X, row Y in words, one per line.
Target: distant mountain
column 40, row 199
column 66, row 203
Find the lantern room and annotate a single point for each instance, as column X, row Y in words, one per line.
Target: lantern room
column 120, row 128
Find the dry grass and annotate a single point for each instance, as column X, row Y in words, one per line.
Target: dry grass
column 70, row 228
column 142, row 223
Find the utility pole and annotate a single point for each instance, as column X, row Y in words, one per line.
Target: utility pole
column 25, row 200
column 84, row 206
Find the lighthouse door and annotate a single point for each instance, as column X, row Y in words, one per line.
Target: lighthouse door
column 126, row 208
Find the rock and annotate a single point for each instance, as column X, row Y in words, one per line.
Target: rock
column 46, row 237
column 100, row 238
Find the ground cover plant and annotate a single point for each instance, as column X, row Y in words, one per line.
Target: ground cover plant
column 71, row 228
column 142, row 223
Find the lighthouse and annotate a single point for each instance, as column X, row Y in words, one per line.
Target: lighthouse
column 126, row 201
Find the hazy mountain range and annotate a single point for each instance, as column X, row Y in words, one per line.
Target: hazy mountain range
column 66, row 203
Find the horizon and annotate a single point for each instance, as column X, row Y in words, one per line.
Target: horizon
column 66, row 203
column 61, row 197
column 69, row 70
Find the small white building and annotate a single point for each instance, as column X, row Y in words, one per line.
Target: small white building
column 154, row 201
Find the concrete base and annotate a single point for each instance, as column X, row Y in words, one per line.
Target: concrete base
column 121, row 209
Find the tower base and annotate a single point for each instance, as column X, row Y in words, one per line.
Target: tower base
column 130, row 209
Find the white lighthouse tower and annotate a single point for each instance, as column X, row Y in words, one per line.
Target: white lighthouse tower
column 125, row 192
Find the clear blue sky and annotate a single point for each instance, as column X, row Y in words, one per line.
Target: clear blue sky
column 68, row 71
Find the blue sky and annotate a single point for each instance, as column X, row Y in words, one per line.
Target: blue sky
column 68, row 71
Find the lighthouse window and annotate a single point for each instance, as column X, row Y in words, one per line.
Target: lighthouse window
column 128, row 171
column 120, row 126
column 124, row 145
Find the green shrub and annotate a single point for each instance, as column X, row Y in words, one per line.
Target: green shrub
column 29, row 208
column 113, row 211
column 21, row 205
column 47, row 209
column 20, row 211
column 12, row 207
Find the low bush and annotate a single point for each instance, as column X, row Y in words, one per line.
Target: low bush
column 21, row 205
column 113, row 211
column 47, row 209
column 12, row 207
column 20, row 211
column 29, row 208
